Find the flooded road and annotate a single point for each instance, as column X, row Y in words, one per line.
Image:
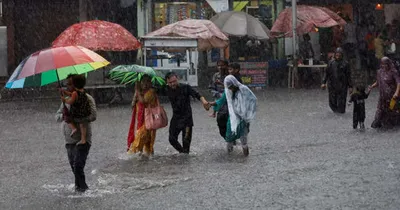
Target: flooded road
column 302, row 156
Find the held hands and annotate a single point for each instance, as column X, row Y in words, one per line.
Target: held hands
column 206, row 106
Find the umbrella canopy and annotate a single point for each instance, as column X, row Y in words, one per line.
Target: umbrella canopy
column 308, row 17
column 98, row 35
column 54, row 64
column 241, row 24
column 206, row 32
column 129, row 74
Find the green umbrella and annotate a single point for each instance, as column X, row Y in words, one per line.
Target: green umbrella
column 129, row 74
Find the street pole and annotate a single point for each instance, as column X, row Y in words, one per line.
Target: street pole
column 294, row 26
column 230, row 2
column 83, row 10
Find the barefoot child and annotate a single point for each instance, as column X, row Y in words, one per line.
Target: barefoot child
column 80, row 107
column 358, row 99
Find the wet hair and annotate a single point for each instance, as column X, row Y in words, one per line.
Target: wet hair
column 170, row 74
column 79, row 81
column 225, row 62
column 339, row 50
column 235, row 66
column 70, row 76
column 306, row 37
column 360, row 88
column 145, row 76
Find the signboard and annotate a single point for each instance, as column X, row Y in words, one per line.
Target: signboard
column 153, row 42
column 219, row 5
column 254, row 74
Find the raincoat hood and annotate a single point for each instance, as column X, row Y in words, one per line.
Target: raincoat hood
column 241, row 104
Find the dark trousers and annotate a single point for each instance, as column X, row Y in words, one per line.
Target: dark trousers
column 77, row 155
column 186, row 138
column 358, row 116
column 222, row 120
column 337, row 100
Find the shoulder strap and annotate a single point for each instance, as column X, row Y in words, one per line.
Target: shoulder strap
column 156, row 97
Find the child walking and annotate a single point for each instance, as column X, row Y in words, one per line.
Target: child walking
column 80, row 107
column 358, row 99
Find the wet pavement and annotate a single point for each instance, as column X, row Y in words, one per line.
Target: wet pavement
column 302, row 156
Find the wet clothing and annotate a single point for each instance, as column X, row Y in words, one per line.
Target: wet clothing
column 338, row 78
column 139, row 138
column 306, row 50
column 186, row 138
column 238, row 77
column 379, row 48
column 182, row 119
column 223, row 115
column 358, row 100
column 241, row 108
column 67, row 130
column 215, row 88
column 77, row 154
column 387, row 83
column 222, row 119
column 81, row 107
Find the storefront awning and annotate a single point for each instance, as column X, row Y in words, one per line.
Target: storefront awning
column 239, row 5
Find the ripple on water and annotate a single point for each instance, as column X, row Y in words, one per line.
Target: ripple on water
column 108, row 183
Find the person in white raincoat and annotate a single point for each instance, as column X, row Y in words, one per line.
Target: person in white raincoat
column 242, row 105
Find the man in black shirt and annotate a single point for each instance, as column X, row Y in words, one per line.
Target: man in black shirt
column 182, row 119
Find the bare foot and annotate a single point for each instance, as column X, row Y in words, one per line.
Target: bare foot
column 246, row 151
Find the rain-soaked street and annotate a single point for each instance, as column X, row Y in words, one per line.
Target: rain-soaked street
column 302, row 156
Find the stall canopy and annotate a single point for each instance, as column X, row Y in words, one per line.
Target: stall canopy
column 205, row 32
column 308, row 17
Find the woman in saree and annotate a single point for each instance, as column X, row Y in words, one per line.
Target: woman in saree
column 242, row 109
column 388, row 82
column 141, row 139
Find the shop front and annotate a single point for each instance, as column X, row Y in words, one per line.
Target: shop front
column 167, row 12
column 253, row 55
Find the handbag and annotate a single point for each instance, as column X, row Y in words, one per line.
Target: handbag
column 155, row 117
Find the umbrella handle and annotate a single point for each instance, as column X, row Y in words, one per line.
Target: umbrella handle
column 60, row 87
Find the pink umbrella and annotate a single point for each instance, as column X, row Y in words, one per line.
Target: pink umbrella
column 206, row 32
column 98, row 35
column 308, row 17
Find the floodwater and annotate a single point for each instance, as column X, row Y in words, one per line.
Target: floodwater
column 302, row 156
